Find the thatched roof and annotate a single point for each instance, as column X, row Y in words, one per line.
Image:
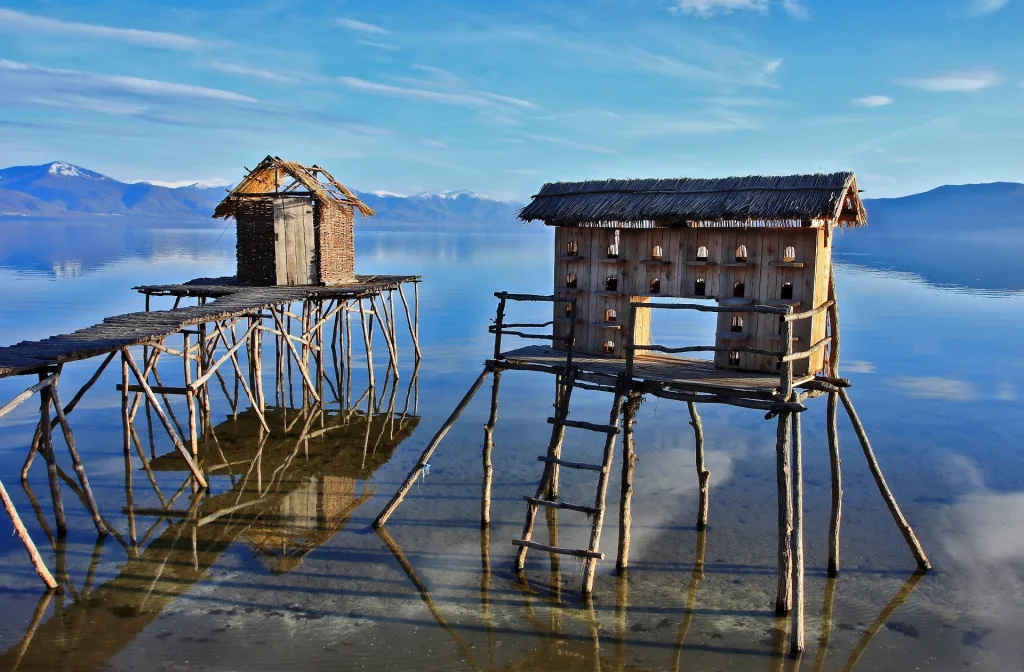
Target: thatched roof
column 795, row 200
column 276, row 176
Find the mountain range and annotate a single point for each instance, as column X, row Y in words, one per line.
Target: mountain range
column 66, row 191
column 61, row 190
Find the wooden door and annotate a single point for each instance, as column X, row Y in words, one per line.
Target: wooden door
column 294, row 244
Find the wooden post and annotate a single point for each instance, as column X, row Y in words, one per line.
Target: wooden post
column 19, row 529
column 412, row 328
column 190, row 400
column 833, row 314
column 499, row 318
column 797, row 631
column 492, row 419
column 703, row 475
column 836, row 464
column 597, row 520
column 76, row 461
column 366, row 342
column 784, row 589
column 50, row 455
column 626, row 490
column 382, row 518
column 883, row 487
column 385, row 331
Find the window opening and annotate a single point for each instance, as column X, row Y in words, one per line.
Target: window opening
column 570, row 279
column 656, row 286
column 572, row 249
column 789, row 255
column 656, row 253
column 739, row 289
column 737, row 324
column 568, row 310
column 609, row 347
column 741, row 253
column 787, row 291
column 702, row 253
column 611, row 284
column 609, row 315
column 698, row 287
column 734, row 358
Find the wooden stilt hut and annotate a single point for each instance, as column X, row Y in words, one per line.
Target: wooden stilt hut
column 295, row 225
column 757, row 252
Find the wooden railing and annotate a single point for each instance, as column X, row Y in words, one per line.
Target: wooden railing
column 785, row 355
column 501, row 328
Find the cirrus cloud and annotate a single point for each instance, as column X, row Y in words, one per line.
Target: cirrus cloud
column 12, row 21
column 708, row 8
column 872, row 101
column 960, row 81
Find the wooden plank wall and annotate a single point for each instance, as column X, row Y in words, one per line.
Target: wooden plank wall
column 762, row 281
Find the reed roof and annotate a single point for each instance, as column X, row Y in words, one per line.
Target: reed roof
column 275, row 176
column 756, row 200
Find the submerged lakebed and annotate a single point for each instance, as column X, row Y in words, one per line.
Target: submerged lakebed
column 300, row 580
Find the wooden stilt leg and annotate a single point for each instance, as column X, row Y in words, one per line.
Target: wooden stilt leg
column 126, row 421
column 76, row 461
column 626, row 490
column 883, row 487
column 797, row 633
column 190, row 401
column 382, row 518
column 703, row 475
column 836, row 465
column 485, row 506
column 19, row 529
column 50, row 455
column 366, row 341
column 784, row 589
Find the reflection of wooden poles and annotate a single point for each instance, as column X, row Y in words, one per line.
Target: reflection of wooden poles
column 126, row 355
column 898, row 599
column 37, row 618
column 385, row 331
column 127, row 422
column 19, row 529
column 626, row 490
column 431, row 447
column 784, row 588
column 703, row 475
column 883, row 487
column 797, row 641
column 492, row 419
column 691, row 598
column 836, row 464
column 826, row 623
column 296, row 357
column 425, row 596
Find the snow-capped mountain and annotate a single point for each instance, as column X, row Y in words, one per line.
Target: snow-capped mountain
column 62, row 189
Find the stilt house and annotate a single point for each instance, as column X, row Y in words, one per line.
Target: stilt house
column 295, row 225
column 736, row 241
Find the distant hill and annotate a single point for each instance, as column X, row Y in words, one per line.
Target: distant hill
column 63, row 190
column 958, row 211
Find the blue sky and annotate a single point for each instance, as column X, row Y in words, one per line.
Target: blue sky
column 407, row 96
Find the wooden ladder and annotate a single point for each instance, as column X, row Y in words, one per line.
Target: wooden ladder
column 546, row 495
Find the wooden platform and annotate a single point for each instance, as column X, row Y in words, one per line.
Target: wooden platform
column 653, row 369
column 230, row 301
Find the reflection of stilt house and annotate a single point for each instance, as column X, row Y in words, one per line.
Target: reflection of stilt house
column 295, row 225
column 735, row 241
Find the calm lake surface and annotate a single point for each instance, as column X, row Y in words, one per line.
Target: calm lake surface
column 296, row 580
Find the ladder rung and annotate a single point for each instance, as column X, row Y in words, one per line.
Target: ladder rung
column 571, row 465
column 561, row 505
column 578, row 552
column 604, row 429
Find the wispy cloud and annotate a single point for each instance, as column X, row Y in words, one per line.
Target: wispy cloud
column 93, row 81
column 872, row 101
column 984, row 7
column 566, row 142
column 19, row 22
column 474, row 99
column 376, row 44
column 707, row 8
column 247, row 71
column 362, row 27
column 958, row 81
column 431, row 142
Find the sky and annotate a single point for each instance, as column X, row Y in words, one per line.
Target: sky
column 429, row 95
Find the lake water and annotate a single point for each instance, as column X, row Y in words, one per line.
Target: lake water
column 296, row 580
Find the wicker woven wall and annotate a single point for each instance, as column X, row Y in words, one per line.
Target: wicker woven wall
column 254, row 244
column 336, row 250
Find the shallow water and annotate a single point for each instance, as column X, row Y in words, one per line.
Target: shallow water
column 295, row 579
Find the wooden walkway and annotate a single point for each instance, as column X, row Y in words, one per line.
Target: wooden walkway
column 230, row 301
